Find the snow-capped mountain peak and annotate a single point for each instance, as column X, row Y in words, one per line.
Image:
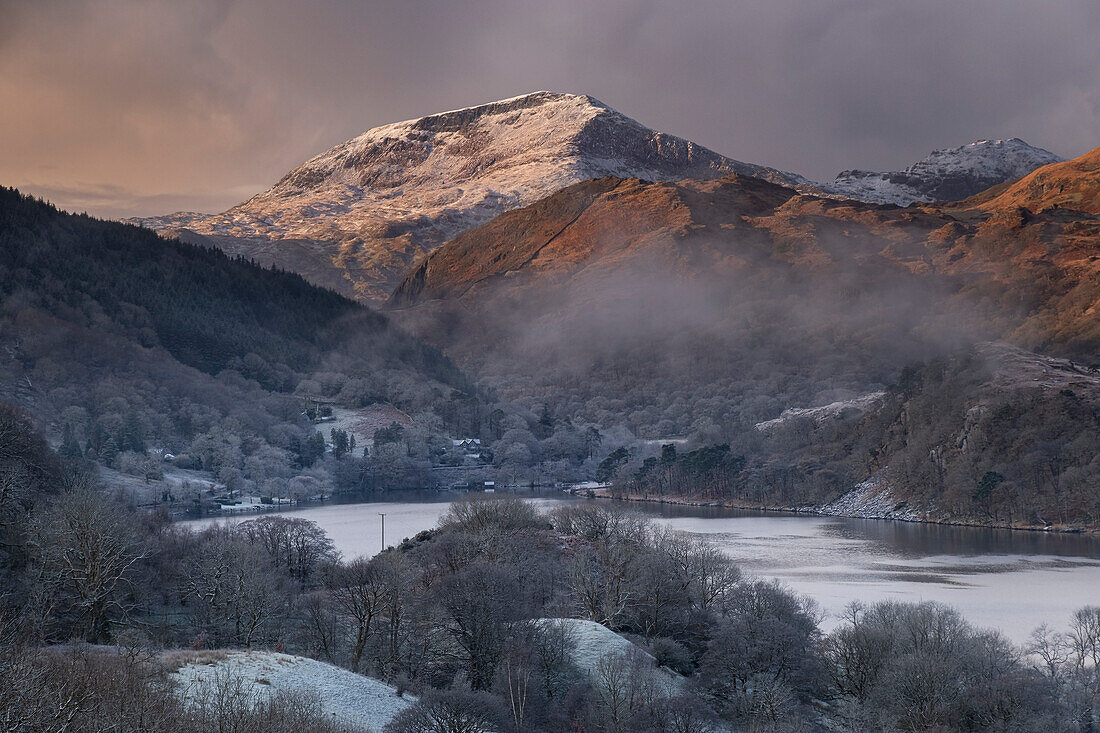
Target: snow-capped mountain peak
column 945, row 175
column 377, row 202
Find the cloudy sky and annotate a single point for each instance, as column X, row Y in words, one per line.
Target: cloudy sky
column 131, row 107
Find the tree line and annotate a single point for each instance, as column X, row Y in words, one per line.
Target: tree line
column 483, row 618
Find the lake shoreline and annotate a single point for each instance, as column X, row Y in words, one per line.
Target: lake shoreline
column 825, row 512
column 425, row 496
column 834, row 559
column 432, row 495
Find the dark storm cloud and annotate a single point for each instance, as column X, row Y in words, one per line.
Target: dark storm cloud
column 142, row 106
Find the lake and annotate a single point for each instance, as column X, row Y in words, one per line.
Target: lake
column 1004, row 579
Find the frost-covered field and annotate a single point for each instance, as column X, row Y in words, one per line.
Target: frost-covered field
column 353, row 700
column 595, row 644
column 366, row 704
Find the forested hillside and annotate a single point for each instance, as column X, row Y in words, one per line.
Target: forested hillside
column 203, row 307
column 128, row 346
column 991, row 435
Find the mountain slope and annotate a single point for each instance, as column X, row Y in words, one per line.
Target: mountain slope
column 202, row 307
column 121, row 342
column 703, row 308
column 990, row 435
column 355, row 217
column 1073, row 184
column 944, row 175
column 1032, row 277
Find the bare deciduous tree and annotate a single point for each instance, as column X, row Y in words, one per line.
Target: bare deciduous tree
column 479, row 603
column 235, row 590
column 296, row 544
column 86, row 552
column 360, row 591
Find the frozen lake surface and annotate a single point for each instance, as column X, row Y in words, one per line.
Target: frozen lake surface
column 1009, row 580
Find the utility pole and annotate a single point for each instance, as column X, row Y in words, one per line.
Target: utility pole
column 383, row 530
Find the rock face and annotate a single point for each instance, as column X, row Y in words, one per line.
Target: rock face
column 355, row 217
column 945, row 175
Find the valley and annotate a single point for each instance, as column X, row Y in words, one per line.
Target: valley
column 626, row 286
column 561, row 367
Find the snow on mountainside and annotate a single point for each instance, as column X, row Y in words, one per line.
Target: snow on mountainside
column 822, row 414
column 944, row 175
column 372, row 205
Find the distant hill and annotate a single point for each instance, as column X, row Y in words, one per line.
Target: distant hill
column 1073, row 184
column 355, row 217
column 944, row 175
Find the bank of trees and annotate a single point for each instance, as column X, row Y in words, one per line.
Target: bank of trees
column 464, row 615
column 970, row 438
column 491, row 618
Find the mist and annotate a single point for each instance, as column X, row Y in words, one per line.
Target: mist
column 702, row 335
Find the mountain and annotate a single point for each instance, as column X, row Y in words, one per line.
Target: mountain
column 944, row 175
column 1073, row 184
column 355, row 217
column 703, row 308
column 1028, row 276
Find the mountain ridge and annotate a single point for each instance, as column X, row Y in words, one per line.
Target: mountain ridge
column 975, row 238
column 949, row 174
column 366, row 209
column 357, row 217
column 706, row 308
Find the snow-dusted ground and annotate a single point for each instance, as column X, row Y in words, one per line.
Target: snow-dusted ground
column 823, row 413
column 658, row 442
column 182, row 484
column 871, row 500
column 594, row 643
column 354, row 700
column 362, row 422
